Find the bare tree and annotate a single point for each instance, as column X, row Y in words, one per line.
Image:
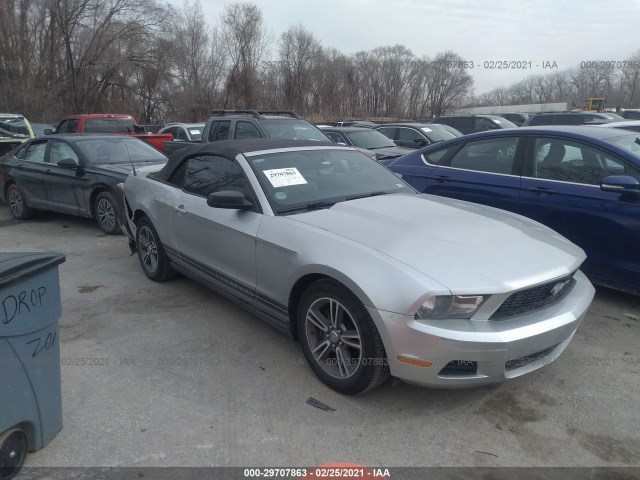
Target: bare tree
column 447, row 82
column 299, row 55
column 245, row 41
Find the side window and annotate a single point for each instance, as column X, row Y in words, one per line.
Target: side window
column 219, row 131
column 61, row 150
column 181, row 134
column 207, row 174
column 574, row 162
column 485, row 124
column 35, row 152
column 246, row 130
column 493, row 155
column 177, row 177
column 73, row 125
column 464, row 124
column 63, row 127
column 434, row 158
column 172, row 131
column 21, row 153
column 387, row 132
column 408, row 135
column 335, row 137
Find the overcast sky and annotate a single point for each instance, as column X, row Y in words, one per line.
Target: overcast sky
column 563, row 31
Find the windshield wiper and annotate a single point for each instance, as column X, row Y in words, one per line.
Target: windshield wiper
column 308, row 206
column 365, row 195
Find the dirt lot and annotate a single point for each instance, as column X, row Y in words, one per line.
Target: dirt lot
column 183, row 377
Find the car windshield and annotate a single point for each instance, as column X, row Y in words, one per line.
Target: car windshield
column 294, row 130
column 119, row 150
column 435, row 133
column 370, row 139
column 630, row 143
column 306, row 179
column 13, row 127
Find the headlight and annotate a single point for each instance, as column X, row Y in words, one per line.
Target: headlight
column 450, row 306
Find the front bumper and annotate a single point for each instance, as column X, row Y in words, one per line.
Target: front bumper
column 467, row 353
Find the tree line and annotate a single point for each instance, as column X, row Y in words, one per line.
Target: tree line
column 162, row 64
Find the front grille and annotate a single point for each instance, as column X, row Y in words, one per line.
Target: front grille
column 528, row 359
column 533, row 298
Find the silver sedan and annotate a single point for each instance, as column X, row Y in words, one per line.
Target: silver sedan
column 372, row 278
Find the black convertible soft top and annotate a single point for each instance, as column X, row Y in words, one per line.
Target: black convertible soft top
column 231, row 149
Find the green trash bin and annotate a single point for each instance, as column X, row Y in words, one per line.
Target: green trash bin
column 30, row 390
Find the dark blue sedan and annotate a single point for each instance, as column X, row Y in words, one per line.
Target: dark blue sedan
column 583, row 181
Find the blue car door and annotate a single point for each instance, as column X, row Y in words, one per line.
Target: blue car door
column 485, row 171
column 561, row 189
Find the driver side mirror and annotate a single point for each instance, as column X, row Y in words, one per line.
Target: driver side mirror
column 620, row 184
column 48, row 131
column 68, row 163
column 421, row 141
column 231, row 199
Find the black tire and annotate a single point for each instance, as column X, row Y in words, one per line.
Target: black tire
column 18, row 204
column 347, row 354
column 107, row 214
column 14, row 446
column 153, row 259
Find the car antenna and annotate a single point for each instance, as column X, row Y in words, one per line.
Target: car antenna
column 131, row 161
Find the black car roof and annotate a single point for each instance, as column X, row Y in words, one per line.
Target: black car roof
column 232, row 148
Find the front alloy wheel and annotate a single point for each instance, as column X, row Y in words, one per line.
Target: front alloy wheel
column 333, row 337
column 17, row 204
column 153, row 259
column 339, row 339
column 107, row 213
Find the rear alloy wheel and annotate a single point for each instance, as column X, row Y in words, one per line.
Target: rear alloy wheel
column 14, row 445
column 17, row 203
column 340, row 340
column 153, row 259
column 106, row 213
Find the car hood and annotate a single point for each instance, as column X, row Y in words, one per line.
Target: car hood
column 466, row 247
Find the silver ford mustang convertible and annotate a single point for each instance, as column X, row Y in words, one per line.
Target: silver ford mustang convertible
column 371, row 277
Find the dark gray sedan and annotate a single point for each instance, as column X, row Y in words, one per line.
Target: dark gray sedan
column 363, row 137
column 75, row 174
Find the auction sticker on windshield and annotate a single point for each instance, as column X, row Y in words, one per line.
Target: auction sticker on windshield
column 285, row 177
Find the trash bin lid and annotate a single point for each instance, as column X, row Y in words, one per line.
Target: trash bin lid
column 15, row 267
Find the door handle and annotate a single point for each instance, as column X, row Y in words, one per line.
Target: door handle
column 443, row 178
column 20, row 167
column 179, row 209
column 541, row 190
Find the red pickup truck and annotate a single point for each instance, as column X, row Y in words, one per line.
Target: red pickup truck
column 109, row 123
